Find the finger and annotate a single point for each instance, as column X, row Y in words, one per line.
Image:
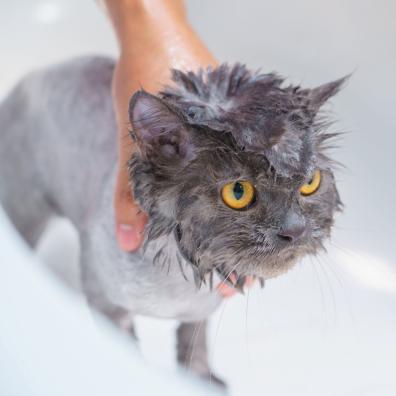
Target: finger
column 130, row 230
column 225, row 290
column 130, row 222
column 130, row 235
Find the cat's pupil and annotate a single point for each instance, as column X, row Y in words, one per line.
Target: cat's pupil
column 238, row 190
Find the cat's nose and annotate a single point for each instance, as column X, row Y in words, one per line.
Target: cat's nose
column 293, row 228
column 292, row 234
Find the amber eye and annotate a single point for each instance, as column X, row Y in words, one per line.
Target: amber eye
column 238, row 194
column 312, row 186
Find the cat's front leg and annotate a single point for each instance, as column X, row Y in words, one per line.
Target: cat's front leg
column 122, row 319
column 192, row 351
column 119, row 316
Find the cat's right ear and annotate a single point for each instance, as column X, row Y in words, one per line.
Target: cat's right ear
column 158, row 129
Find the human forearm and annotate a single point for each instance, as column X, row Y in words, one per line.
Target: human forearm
column 129, row 15
column 154, row 36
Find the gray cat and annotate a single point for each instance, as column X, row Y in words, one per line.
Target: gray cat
column 231, row 167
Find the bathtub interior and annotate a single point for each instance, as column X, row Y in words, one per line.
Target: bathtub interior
column 328, row 326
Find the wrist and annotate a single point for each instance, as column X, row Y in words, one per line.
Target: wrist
column 130, row 15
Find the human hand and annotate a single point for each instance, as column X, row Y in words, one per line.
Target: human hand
column 129, row 218
column 154, row 36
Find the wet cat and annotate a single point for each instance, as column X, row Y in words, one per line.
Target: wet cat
column 231, row 167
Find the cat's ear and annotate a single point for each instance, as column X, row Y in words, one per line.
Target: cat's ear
column 318, row 96
column 157, row 128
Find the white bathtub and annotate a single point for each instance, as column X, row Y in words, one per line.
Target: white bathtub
column 326, row 328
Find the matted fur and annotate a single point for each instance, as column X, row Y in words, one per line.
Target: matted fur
column 225, row 124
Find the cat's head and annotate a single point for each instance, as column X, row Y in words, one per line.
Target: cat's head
column 234, row 164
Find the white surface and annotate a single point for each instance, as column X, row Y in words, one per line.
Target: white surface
column 326, row 328
column 329, row 326
column 50, row 343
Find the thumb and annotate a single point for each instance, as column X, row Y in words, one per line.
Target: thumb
column 129, row 218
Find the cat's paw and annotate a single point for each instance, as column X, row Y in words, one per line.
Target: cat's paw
column 215, row 380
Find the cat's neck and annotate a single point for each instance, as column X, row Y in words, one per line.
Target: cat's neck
column 164, row 252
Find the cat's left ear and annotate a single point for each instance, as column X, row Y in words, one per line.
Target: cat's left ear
column 318, row 96
column 158, row 129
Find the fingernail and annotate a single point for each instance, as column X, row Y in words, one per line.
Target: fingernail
column 128, row 238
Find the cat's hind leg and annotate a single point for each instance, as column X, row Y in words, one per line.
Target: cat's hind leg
column 30, row 217
column 22, row 192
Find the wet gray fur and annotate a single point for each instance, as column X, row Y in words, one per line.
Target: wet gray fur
column 58, row 157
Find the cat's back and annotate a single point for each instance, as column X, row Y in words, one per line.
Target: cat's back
column 74, row 103
column 58, row 130
column 85, row 133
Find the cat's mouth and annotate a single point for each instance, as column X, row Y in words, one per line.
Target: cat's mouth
column 231, row 278
column 237, row 281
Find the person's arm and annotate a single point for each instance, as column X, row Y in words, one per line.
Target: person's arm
column 154, row 36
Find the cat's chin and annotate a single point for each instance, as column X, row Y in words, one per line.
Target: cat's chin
column 276, row 269
column 271, row 267
column 277, row 265
column 235, row 274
